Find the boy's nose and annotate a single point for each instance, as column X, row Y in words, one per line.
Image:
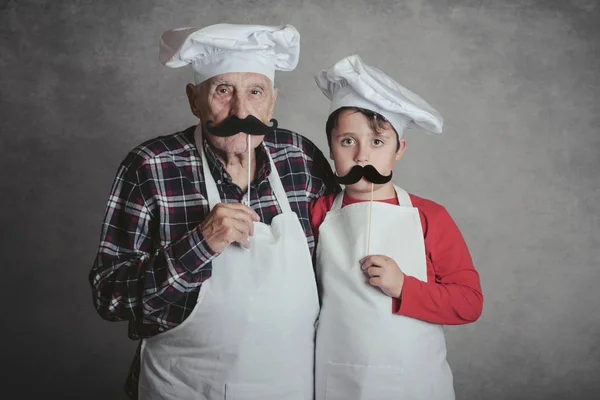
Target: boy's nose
column 362, row 156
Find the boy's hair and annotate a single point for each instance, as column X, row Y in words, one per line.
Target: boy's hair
column 377, row 122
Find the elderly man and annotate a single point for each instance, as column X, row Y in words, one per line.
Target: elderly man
column 206, row 245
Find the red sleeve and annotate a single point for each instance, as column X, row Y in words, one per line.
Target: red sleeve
column 318, row 210
column 452, row 295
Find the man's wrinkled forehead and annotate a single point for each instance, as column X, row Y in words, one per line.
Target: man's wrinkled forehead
column 241, row 80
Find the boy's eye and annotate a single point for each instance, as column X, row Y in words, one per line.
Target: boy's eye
column 347, row 141
column 377, row 142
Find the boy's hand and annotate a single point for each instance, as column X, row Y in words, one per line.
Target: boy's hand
column 384, row 273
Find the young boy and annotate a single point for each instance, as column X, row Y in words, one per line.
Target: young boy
column 392, row 267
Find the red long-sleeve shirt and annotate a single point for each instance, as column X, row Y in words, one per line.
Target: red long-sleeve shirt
column 452, row 294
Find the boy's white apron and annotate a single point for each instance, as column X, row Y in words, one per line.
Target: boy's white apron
column 363, row 351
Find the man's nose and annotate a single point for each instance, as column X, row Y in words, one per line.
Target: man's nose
column 239, row 106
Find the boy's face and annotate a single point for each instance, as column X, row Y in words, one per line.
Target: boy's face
column 353, row 142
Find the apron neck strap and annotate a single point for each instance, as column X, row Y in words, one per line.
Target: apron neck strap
column 211, row 187
column 276, row 184
column 403, row 197
column 337, row 202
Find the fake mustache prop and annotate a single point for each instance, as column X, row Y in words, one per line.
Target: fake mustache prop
column 368, row 172
column 233, row 125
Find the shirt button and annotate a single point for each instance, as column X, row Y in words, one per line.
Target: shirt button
column 219, row 182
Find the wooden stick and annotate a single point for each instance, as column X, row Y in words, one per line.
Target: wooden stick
column 249, row 176
column 370, row 215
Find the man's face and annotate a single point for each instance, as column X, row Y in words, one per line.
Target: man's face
column 240, row 94
column 353, row 142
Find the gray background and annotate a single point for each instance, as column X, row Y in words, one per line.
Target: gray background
column 518, row 83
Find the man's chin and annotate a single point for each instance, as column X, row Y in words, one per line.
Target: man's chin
column 238, row 143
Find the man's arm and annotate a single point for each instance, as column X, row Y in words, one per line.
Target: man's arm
column 321, row 169
column 132, row 278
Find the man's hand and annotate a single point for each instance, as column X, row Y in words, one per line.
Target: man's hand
column 384, row 273
column 228, row 223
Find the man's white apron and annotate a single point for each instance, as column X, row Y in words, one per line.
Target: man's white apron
column 251, row 334
column 363, row 351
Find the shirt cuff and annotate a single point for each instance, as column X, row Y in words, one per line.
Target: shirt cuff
column 193, row 252
column 401, row 305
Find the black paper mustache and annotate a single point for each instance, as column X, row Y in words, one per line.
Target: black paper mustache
column 233, row 125
column 369, row 172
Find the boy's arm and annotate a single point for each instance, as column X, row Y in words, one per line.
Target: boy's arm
column 455, row 296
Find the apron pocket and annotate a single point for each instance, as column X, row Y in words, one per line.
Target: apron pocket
column 354, row 382
column 274, row 391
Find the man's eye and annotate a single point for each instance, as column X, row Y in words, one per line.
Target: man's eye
column 377, row 142
column 255, row 92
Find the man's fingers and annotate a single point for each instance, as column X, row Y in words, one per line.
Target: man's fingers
column 240, row 212
column 243, row 218
column 235, row 231
column 228, row 208
column 228, row 223
column 374, row 271
column 240, row 231
column 243, row 229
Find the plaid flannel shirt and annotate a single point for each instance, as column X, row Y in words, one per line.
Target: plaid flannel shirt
column 152, row 258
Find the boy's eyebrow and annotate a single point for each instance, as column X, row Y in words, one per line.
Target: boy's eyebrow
column 340, row 133
column 372, row 133
column 386, row 134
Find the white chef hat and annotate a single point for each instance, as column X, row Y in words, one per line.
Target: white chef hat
column 223, row 48
column 352, row 83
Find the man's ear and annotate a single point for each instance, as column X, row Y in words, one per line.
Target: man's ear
column 192, row 94
column 401, row 149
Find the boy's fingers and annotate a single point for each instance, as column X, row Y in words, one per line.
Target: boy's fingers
column 376, row 281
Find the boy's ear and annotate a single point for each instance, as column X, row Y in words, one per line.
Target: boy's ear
column 401, row 149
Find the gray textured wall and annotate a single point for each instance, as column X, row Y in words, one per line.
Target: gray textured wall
column 518, row 83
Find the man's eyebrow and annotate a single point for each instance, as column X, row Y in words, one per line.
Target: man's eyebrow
column 218, row 82
column 258, row 85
